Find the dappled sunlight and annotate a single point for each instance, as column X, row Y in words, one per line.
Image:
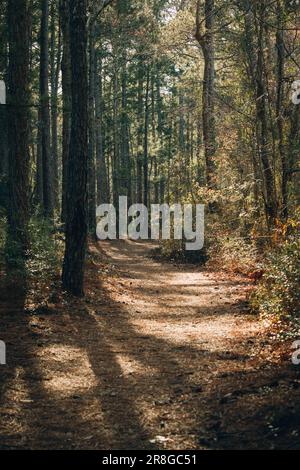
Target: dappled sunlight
column 66, row 370
column 139, row 363
column 206, row 332
column 133, row 367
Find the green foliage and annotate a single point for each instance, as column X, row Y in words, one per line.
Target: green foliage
column 44, row 248
column 42, row 258
column 278, row 295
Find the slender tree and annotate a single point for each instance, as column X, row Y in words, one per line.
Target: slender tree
column 262, row 119
column 91, row 131
column 67, row 101
column 102, row 171
column 205, row 37
column 280, row 66
column 18, row 20
column 47, row 164
column 55, row 67
column 146, row 146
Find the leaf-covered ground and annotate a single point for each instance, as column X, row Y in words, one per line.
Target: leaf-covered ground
column 157, row 356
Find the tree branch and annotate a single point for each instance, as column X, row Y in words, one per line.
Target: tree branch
column 93, row 17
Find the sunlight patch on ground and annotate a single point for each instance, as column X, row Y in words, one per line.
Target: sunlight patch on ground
column 131, row 366
column 206, row 332
column 68, row 370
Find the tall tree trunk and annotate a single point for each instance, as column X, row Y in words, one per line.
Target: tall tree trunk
column 48, row 202
column 102, row 174
column 55, row 66
column 91, row 127
column 125, row 150
column 139, row 157
column 181, row 134
column 159, row 105
column 206, row 41
column 262, row 122
column 279, row 106
column 76, row 214
column 67, row 102
column 146, row 129
column 116, row 147
column 250, row 47
column 18, row 21
column 39, row 185
column 293, row 148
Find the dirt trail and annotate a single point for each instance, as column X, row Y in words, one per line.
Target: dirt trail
column 157, row 356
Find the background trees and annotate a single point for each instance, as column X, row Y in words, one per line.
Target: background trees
column 187, row 101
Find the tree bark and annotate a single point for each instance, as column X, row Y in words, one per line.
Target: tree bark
column 146, row 128
column 116, row 141
column 91, row 134
column 279, row 107
column 55, row 66
column 48, row 200
column 262, row 123
column 206, row 41
column 67, row 102
column 76, row 214
column 39, row 185
column 125, row 150
column 18, row 20
column 103, row 196
column 139, row 157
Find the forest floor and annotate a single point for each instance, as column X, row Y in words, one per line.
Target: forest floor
column 157, row 356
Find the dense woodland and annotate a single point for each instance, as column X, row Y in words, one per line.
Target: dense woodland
column 177, row 101
column 162, row 101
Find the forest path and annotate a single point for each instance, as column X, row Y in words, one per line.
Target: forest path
column 156, row 356
column 180, row 304
column 181, row 337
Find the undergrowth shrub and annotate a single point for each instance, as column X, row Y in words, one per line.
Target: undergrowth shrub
column 239, row 255
column 45, row 248
column 277, row 297
column 43, row 256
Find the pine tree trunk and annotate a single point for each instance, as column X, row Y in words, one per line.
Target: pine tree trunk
column 102, row 176
column 262, row 123
column 48, row 201
column 39, row 185
column 139, row 157
column 125, row 150
column 18, row 20
column 206, row 41
column 251, row 60
column 116, row 146
column 76, row 213
column 92, row 132
column 160, row 132
column 67, row 102
column 279, row 107
column 55, row 66
column 146, row 128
